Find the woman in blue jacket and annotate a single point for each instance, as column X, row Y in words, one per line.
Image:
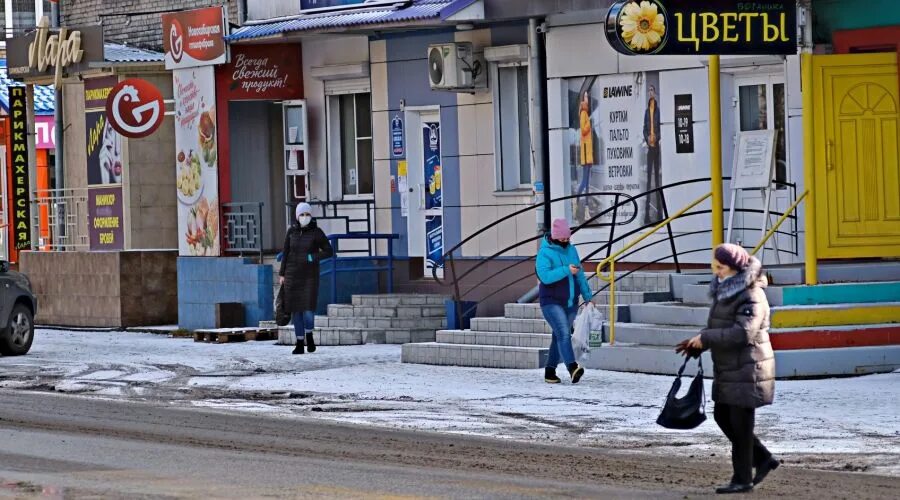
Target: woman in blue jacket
column 562, row 281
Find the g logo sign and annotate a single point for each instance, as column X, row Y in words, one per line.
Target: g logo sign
column 135, row 108
column 176, row 40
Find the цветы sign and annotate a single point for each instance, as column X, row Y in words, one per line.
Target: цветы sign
column 710, row 27
column 18, row 106
column 194, row 38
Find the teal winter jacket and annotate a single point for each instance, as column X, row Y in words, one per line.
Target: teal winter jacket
column 558, row 285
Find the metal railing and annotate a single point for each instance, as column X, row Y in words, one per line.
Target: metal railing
column 60, row 219
column 333, row 270
column 619, row 200
column 774, row 229
column 610, row 261
column 338, row 211
column 243, row 227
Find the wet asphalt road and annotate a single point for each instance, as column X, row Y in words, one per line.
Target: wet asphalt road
column 57, row 446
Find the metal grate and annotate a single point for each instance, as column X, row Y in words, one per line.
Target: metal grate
column 60, row 219
column 243, row 227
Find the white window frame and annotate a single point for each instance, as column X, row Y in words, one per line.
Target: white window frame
column 335, row 150
column 768, row 81
column 8, row 21
column 499, row 186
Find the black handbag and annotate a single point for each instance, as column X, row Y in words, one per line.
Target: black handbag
column 282, row 315
column 687, row 412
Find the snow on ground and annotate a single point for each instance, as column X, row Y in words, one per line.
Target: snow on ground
column 851, row 423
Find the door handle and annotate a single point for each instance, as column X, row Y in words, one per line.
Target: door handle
column 422, row 196
column 829, row 154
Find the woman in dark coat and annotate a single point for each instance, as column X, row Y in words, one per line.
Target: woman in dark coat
column 737, row 336
column 305, row 246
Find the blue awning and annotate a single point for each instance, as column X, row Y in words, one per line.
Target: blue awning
column 418, row 10
column 44, row 96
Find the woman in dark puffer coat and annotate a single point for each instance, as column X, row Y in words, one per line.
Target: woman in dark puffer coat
column 305, row 246
column 737, row 335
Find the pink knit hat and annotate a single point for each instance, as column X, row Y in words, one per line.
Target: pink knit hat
column 560, row 230
column 733, row 256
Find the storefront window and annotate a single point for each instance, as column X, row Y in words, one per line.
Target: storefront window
column 513, row 133
column 755, row 101
column 355, row 112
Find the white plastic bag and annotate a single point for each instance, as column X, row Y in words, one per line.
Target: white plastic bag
column 588, row 331
column 581, row 336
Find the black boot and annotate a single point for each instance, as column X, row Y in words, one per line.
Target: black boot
column 310, row 343
column 575, row 371
column 299, row 348
column 734, row 488
column 763, row 470
column 550, row 376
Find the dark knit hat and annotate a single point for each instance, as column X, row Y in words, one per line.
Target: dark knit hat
column 733, row 256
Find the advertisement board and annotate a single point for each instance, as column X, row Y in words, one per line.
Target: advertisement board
column 711, row 27
column 18, row 121
column 105, row 225
column 265, row 72
column 54, row 52
column 105, row 156
column 196, row 162
column 193, row 38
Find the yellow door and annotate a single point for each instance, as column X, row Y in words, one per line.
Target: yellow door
column 857, row 156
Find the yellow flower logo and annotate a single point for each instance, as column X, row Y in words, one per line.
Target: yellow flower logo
column 643, row 26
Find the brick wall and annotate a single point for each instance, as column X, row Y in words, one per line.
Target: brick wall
column 145, row 30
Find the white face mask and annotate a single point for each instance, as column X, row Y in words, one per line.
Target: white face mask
column 304, row 220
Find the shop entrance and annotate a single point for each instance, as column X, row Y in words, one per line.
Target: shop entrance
column 426, row 201
column 760, row 105
column 857, row 155
column 257, row 172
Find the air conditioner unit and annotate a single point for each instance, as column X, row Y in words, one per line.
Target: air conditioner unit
column 454, row 66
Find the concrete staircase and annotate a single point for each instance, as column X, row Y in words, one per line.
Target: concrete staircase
column 521, row 337
column 823, row 330
column 382, row 319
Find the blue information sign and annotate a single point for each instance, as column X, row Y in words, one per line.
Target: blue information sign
column 397, row 137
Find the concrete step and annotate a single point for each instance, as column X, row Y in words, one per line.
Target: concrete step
column 533, row 311
column 474, row 355
column 338, row 336
column 635, row 282
column 398, row 299
column 397, row 336
column 382, row 323
column 676, row 313
column 835, row 315
column 800, row 363
column 699, row 295
column 833, row 294
column 650, row 334
column 507, row 339
column 669, row 313
column 515, row 325
column 838, row 273
column 351, row 311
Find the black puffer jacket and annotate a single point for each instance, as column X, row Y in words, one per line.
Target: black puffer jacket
column 737, row 335
column 304, row 249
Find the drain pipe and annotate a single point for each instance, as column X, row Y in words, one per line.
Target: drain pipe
column 58, row 165
column 539, row 118
column 537, row 72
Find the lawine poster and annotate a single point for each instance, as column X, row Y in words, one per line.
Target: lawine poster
column 615, row 146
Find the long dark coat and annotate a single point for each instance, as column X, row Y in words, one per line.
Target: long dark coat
column 737, row 336
column 304, row 249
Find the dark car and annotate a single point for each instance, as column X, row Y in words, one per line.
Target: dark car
column 17, row 309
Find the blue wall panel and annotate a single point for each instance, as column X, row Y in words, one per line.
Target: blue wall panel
column 204, row 282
